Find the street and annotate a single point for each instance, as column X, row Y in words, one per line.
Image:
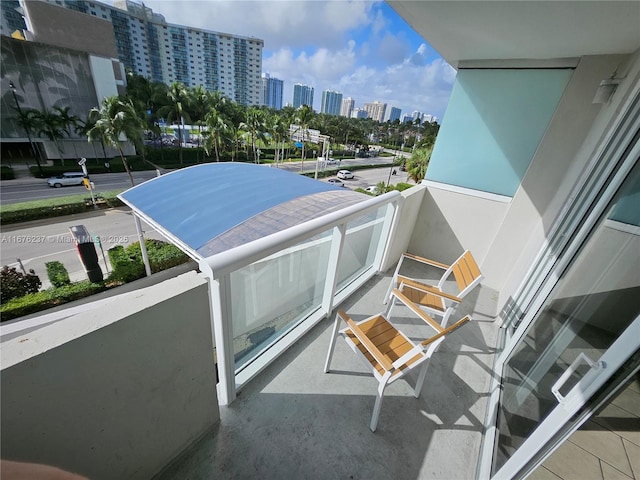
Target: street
column 22, row 190
column 25, row 189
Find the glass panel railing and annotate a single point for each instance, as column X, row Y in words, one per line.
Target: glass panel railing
column 361, row 244
column 272, row 295
column 266, row 293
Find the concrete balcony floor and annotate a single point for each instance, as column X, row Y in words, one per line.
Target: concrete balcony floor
column 295, row 421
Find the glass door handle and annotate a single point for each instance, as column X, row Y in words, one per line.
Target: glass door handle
column 581, row 358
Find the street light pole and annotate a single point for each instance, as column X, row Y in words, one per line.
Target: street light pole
column 26, row 127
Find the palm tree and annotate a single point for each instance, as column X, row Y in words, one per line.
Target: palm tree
column 200, row 103
column 277, row 129
column 49, row 126
column 82, row 129
column 233, row 137
column 418, row 163
column 68, row 123
column 86, row 126
column 115, row 118
column 304, row 115
column 217, row 127
column 28, row 120
column 178, row 97
column 254, row 126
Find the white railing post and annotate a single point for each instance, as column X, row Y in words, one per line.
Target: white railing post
column 222, row 329
column 391, row 219
column 335, row 252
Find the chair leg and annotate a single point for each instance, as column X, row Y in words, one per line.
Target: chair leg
column 334, row 336
column 378, row 405
column 394, row 281
column 421, row 376
column 376, row 409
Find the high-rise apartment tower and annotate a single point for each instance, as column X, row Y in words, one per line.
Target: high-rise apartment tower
column 347, row 107
column 376, row 110
column 302, row 95
column 331, row 102
column 272, row 91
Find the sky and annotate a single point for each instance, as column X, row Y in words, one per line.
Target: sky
column 360, row 48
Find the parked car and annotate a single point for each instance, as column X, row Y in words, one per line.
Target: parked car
column 371, row 189
column 336, row 182
column 345, row 174
column 67, row 178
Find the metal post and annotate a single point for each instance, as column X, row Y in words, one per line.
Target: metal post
column 143, row 247
column 96, row 239
column 21, row 266
column 88, row 185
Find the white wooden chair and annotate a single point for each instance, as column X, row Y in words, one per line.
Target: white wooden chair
column 433, row 298
column 388, row 352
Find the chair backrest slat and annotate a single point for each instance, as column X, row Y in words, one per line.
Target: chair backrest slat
column 466, row 271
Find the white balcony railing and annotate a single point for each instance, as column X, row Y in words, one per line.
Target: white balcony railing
column 267, row 293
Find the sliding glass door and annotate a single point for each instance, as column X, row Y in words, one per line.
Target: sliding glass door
column 586, row 326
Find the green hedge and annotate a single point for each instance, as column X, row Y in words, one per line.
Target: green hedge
column 35, row 302
column 127, row 264
column 123, row 267
column 55, row 207
column 94, row 166
column 6, row 173
column 57, row 274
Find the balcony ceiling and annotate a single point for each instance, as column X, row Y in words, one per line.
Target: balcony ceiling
column 496, row 30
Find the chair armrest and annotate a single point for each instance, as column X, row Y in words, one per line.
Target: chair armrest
column 368, row 344
column 446, row 331
column 416, row 350
column 426, row 260
column 417, row 310
column 410, row 282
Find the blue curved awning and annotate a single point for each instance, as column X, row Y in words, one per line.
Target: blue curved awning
column 237, row 202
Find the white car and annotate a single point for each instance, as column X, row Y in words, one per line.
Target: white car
column 67, row 178
column 371, row 189
column 336, row 182
column 332, row 161
column 345, row 174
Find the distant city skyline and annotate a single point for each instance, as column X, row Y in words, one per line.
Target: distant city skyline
column 362, row 49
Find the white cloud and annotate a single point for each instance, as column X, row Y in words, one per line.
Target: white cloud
column 392, row 49
column 408, row 85
column 280, row 23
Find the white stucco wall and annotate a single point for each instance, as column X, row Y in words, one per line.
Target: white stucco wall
column 104, row 79
column 409, row 211
column 113, row 392
column 505, row 238
column 553, row 173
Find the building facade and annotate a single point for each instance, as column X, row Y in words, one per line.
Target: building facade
column 392, row 114
column 272, row 91
column 331, row 102
column 347, row 107
column 44, row 69
column 302, row 95
column 376, row 110
column 167, row 53
column 359, row 113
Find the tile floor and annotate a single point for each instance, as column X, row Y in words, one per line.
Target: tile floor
column 607, row 447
